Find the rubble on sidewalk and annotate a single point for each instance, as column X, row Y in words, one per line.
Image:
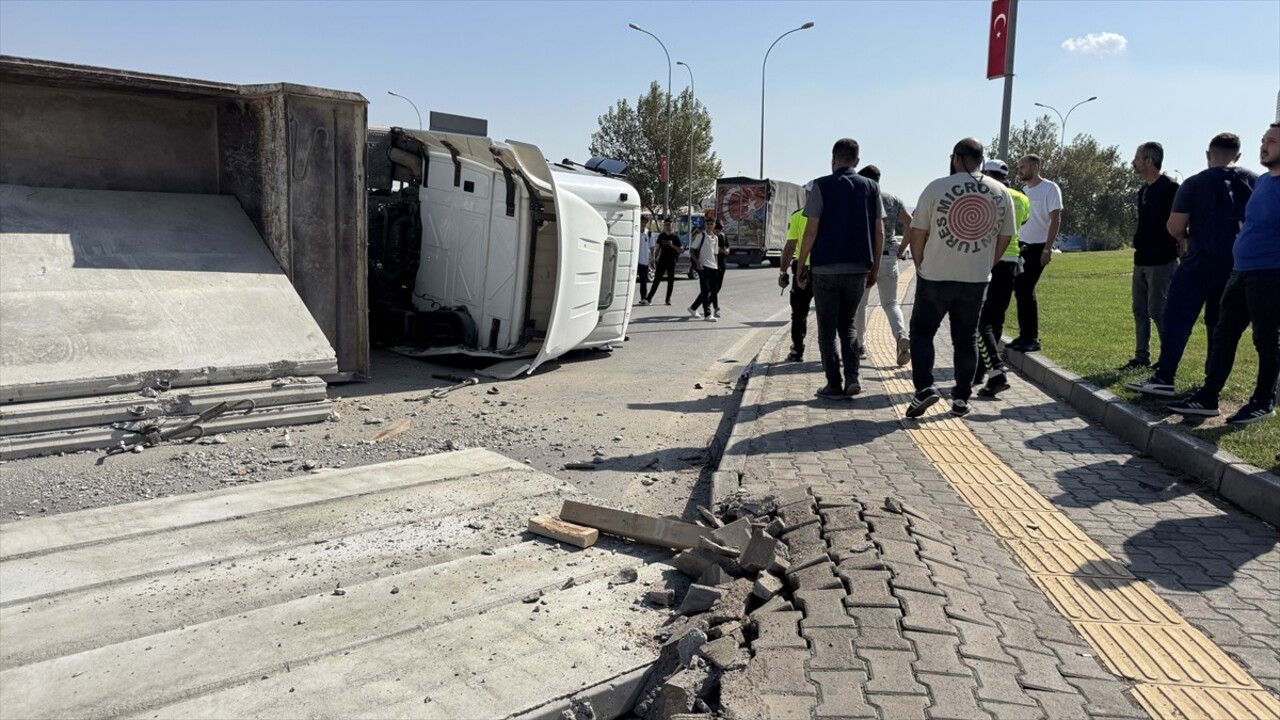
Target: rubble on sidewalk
column 745, row 583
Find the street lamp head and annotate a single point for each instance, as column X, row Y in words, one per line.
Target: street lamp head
column 681, row 62
column 634, row 26
column 1039, row 105
column 1095, row 97
column 806, row 26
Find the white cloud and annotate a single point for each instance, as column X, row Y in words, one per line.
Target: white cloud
column 1104, row 43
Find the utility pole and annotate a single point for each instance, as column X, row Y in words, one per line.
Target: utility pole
column 693, row 98
column 1007, row 110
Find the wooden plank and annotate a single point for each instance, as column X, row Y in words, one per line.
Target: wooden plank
column 665, row 532
column 567, row 532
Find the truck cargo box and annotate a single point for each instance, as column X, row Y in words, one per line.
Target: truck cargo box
column 162, row 229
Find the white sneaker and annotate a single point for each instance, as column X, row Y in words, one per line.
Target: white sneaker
column 904, row 351
column 693, row 312
column 709, row 318
column 643, row 302
column 717, row 312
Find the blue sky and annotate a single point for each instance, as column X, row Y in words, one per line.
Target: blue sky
column 904, row 78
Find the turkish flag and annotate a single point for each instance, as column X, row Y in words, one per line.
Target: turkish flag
column 663, row 169
column 998, row 42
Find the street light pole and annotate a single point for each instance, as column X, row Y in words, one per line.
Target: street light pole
column 666, row 185
column 1064, row 120
column 763, row 65
column 415, row 107
column 693, row 97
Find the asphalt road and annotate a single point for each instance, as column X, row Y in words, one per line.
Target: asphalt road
column 643, row 415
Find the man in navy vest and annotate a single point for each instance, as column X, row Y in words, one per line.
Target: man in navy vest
column 840, row 256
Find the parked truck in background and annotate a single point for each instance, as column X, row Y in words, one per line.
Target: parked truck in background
column 754, row 214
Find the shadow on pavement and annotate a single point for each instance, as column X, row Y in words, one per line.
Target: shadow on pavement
column 1130, row 481
column 834, row 435
column 1162, row 552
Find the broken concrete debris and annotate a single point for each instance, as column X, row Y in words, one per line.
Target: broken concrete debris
column 565, row 532
column 738, row 597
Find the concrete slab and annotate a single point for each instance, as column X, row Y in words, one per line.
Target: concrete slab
column 152, row 516
column 104, row 292
column 225, row 606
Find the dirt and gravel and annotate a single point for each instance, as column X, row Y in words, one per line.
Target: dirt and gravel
column 530, row 420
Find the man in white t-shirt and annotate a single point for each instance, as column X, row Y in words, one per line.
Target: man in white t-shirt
column 1038, row 235
column 960, row 229
column 704, row 251
column 643, row 256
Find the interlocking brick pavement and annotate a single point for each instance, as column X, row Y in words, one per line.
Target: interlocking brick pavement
column 946, row 621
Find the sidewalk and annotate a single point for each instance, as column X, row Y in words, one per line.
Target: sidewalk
column 1040, row 568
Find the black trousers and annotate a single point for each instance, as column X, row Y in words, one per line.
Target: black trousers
column 667, row 267
column 1251, row 296
column 801, row 300
column 991, row 320
column 1025, row 290
column 719, row 282
column 962, row 303
column 642, row 274
column 706, row 290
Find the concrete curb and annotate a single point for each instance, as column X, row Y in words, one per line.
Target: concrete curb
column 1250, row 488
column 727, row 478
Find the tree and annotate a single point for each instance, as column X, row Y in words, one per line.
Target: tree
column 1098, row 185
column 637, row 135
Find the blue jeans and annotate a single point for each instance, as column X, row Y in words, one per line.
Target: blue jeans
column 962, row 302
column 1194, row 286
column 836, row 298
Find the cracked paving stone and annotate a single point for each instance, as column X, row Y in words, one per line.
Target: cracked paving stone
column 953, row 697
column 833, row 649
column 939, row 654
column 925, row 613
column 900, row 707
column 890, row 671
column 996, row 683
column 840, row 695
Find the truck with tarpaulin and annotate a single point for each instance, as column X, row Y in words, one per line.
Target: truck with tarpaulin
column 754, row 214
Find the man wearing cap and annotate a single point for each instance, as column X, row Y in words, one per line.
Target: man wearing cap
column 801, row 297
column 999, row 292
column 962, row 224
column 840, row 255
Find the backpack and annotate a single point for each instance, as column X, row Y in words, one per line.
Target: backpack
column 1233, row 196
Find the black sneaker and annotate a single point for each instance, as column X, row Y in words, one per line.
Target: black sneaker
column 830, row 392
column 1252, row 412
column 1024, row 346
column 960, row 408
column 851, row 388
column 1134, row 364
column 1194, row 405
column 922, row 401
column 795, row 356
column 997, row 384
column 1154, row 385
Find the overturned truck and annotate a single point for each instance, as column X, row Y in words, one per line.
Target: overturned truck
column 482, row 248
column 173, row 253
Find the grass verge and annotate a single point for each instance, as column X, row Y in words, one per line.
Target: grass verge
column 1086, row 326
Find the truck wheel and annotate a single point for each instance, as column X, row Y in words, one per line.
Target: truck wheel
column 775, row 262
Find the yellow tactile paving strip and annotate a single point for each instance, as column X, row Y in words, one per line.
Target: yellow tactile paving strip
column 1179, row 673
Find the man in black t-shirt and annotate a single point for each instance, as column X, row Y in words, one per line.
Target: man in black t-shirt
column 669, row 248
column 1155, row 251
column 1207, row 211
